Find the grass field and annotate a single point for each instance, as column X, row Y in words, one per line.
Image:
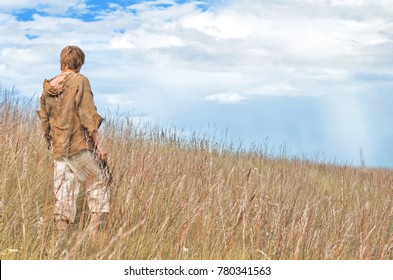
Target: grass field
column 177, row 198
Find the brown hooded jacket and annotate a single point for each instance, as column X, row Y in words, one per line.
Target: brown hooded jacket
column 68, row 114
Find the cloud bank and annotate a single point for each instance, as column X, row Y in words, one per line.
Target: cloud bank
column 299, row 44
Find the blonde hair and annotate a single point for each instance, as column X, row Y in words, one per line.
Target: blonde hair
column 72, row 58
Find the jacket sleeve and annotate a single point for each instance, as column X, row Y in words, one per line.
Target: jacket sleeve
column 44, row 119
column 86, row 108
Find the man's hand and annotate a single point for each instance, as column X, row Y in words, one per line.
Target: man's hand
column 102, row 153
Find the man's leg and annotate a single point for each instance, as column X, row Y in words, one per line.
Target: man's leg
column 66, row 189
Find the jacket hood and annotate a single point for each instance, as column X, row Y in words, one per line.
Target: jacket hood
column 56, row 85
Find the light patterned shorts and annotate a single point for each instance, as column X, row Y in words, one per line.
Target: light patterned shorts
column 69, row 173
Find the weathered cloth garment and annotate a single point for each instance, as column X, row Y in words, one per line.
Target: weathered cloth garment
column 68, row 114
column 69, row 173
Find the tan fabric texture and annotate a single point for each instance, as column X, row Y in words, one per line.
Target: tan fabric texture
column 69, row 173
column 68, row 114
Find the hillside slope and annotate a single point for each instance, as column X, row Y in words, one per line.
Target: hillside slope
column 191, row 199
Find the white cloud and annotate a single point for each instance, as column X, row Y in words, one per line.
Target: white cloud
column 226, row 98
column 223, row 25
column 143, row 41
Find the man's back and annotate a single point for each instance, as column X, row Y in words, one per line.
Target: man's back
column 68, row 113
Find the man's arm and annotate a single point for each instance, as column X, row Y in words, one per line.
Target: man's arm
column 89, row 117
column 102, row 153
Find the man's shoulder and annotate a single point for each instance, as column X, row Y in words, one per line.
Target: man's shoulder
column 81, row 78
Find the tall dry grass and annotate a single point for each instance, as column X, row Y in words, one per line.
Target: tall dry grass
column 177, row 198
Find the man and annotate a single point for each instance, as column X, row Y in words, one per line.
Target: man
column 70, row 123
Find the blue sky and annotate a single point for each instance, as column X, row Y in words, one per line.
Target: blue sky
column 313, row 76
